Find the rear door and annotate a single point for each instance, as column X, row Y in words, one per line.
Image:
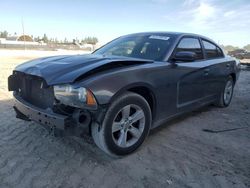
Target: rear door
column 192, row 76
column 216, row 65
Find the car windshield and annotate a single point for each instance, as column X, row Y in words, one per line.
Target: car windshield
column 151, row 47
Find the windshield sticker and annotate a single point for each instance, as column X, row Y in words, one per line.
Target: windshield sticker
column 159, row 37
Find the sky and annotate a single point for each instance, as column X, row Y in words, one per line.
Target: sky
column 224, row 21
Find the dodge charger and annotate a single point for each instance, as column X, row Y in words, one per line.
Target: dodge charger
column 124, row 89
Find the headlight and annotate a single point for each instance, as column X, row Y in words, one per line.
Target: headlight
column 77, row 97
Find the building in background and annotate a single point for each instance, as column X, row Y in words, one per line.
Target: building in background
column 20, row 40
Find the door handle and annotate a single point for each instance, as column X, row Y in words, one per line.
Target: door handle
column 206, row 71
column 228, row 65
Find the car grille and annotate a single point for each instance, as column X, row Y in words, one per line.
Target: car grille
column 35, row 91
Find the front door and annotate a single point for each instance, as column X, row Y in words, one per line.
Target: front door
column 193, row 76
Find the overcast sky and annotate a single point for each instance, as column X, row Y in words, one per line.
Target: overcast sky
column 225, row 21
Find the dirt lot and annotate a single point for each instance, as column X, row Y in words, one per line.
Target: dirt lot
column 178, row 154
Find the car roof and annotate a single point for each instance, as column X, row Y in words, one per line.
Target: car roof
column 176, row 34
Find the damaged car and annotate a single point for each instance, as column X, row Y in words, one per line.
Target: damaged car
column 124, row 89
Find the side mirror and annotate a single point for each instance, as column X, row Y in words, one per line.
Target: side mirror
column 185, row 56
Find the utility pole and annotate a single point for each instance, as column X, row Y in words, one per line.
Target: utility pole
column 23, row 35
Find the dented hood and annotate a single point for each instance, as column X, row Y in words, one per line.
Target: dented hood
column 66, row 69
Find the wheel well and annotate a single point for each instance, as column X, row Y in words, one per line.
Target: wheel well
column 233, row 76
column 147, row 94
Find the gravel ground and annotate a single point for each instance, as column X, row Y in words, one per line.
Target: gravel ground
column 177, row 154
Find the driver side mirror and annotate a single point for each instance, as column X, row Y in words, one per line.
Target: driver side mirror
column 185, row 56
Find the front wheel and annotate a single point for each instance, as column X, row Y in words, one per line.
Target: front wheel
column 125, row 126
column 227, row 94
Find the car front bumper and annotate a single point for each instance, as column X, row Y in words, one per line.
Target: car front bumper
column 59, row 125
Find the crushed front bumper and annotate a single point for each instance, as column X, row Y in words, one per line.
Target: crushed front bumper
column 59, row 125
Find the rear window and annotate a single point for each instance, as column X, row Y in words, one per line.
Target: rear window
column 211, row 50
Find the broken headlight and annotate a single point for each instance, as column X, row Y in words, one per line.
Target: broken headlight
column 77, row 97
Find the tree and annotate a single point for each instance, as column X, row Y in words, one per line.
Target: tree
column 51, row 40
column 229, row 48
column 247, row 47
column 65, row 40
column 90, row 40
column 37, row 39
column 45, row 38
column 4, row 34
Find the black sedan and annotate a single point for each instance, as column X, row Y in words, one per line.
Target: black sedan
column 125, row 88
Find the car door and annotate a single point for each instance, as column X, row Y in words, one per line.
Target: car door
column 192, row 76
column 217, row 67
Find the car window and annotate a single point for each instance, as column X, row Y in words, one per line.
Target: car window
column 122, row 49
column 191, row 45
column 211, row 50
column 152, row 47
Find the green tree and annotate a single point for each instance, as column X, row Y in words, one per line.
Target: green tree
column 229, row 48
column 3, row 34
column 37, row 39
column 45, row 38
column 247, row 47
column 51, row 40
column 90, row 40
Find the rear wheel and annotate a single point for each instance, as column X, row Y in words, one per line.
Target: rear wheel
column 125, row 126
column 227, row 94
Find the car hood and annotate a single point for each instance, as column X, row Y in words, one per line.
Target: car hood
column 67, row 69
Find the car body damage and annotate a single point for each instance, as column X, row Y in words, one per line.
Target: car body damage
column 33, row 81
column 125, row 88
column 113, row 65
column 67, row 69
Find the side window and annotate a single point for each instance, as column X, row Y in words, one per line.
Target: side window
column 211, row 50
column 191, row 45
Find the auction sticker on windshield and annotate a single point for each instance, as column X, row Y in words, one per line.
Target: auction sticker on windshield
column 159, row 37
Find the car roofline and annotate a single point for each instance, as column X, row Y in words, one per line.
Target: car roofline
column 176, row 34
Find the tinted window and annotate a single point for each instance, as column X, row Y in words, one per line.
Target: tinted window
column 152, row 47
column 211, row 50
column 191, row 45
column 124, row 48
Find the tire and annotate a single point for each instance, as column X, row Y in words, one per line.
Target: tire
column 223, row 101
column 121, row 133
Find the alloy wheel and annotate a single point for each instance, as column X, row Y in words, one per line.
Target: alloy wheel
column 228, row 91
column 128, row 125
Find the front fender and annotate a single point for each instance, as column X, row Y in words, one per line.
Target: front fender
column 107, row 87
